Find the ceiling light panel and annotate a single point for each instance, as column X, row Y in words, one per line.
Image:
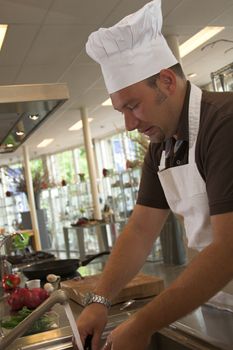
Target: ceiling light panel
column 45, row 143
column 79, row 125
column 3, row 29
column 108, row 102
column 198, row 39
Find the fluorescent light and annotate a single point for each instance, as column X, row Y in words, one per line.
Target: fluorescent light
column 33, row 116
column 108, row 102
column 192, row 75
column 3, row 29
column 45, row 143
column 19, row 133
column 79, row 125
column 198, row 39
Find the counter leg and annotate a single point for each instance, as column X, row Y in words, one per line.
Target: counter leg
column 66, row 239
column 81, row 246
column 102, row 237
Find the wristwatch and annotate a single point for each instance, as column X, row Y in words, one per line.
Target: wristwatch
column 91, row 298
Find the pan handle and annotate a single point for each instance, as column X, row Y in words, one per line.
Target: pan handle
column 88, row 260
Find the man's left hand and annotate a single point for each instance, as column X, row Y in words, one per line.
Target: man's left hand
column 129, row 335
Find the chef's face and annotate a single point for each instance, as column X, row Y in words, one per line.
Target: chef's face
column 147, row 109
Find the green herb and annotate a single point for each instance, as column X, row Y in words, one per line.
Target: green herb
column 42, row 324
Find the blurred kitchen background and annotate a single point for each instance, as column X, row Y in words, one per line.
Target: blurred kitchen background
column 82, row 146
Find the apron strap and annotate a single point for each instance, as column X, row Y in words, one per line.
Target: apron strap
column 194, row 122
column 194, row 110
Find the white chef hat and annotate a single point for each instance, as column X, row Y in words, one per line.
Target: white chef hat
column 133, row 49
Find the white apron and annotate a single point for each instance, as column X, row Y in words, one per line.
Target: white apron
column 184, row 187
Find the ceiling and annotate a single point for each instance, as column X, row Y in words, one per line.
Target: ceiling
column 45, row 43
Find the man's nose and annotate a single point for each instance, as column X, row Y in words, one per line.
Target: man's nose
column 131, row 122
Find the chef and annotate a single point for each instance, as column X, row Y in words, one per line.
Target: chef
column 188, row 169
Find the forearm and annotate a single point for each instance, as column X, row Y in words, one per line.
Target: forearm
column 129, row 253
column 208, row 273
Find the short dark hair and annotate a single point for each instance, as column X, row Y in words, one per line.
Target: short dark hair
column 177, row 69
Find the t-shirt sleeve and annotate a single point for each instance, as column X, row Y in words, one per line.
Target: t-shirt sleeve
column 150, row 190
column 216, row 165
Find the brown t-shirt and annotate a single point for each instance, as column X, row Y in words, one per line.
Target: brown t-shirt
column 213, row 154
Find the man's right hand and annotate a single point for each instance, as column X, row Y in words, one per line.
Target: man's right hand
column 92, row 321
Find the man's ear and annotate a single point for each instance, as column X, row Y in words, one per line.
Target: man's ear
column 167, row 79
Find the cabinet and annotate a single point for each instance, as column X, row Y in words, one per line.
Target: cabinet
column 222, row 79
column 122, row 190
column 65, row 205
column 10, row 208
column 120, row 193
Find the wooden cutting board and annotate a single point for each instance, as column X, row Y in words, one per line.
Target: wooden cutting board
column 141, row 286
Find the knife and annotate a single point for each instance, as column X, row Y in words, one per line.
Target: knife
column 87, row 345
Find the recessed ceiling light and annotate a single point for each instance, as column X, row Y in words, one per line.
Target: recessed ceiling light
column 3, row 29
column 34, row 116
column 192, row 75
column 19, row 133
column 198, row 39
column 108, row 102
column 79, row 125
column 45, row 143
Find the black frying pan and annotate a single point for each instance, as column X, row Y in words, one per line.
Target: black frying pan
column 63, row 268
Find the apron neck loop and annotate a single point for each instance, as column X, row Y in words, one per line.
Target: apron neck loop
column 194, row 114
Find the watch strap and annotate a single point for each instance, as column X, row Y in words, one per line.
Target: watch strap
column 91, row 298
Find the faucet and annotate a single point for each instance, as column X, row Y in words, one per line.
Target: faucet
column 59, row 296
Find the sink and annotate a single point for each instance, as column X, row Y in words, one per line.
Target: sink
column 57, row 339
column 61, row 339
column 58, row 344
column 64, row 342
column 169, row 338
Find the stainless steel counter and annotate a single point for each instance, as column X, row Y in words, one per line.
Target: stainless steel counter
column 204, row 329
column 206, row 324
column 209, row 324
